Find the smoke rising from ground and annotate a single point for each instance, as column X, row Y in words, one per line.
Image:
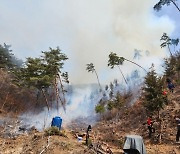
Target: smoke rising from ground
column 80, row 104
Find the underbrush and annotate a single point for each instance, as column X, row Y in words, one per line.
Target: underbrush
column 114, row 140
column 54, row 131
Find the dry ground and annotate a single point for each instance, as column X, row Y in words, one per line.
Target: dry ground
column 107, row 133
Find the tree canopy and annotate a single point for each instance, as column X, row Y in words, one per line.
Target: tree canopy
column 45, row 72
column 7, row 59
column 91, row 68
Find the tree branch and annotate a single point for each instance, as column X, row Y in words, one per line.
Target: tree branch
column 98, row 80
column 45, row 98
column 122, row 74
column 136, row 64
column 175, row 5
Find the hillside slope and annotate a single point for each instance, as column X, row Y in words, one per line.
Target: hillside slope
column 132, row 121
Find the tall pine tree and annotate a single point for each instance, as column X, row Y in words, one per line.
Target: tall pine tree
column 154, row 100
column 44, row 73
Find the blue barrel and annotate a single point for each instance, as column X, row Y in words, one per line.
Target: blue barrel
column 56, row 121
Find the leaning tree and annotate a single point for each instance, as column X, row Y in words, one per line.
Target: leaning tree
column 91, row 68
column 166, row 42
column 124, row 59
column 113, row 61
column 44, row 73
column 54, row 62
column 159, row 5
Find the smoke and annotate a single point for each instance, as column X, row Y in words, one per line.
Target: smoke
column 87, row 31
column 120, row 28
column 81, row 103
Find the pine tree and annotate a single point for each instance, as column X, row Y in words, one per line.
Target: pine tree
column 154, row 100
column 111, row 93
column 54, row 62
column 137, row 54
column 7, row 59
column 91, row 68
column 34, row 76
column 119, row 100
column 166, row 42
column 113, row 61
column 170, row 66
column 175, row 42
column 44, row 73
column 100, row 108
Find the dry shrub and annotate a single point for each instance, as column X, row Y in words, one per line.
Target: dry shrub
column 112, row 139
column 17, row 99
column 54, row 131
column 110, row 114
column 14, row 98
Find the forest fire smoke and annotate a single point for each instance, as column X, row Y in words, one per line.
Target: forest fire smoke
column 81, row 102
column 98, row 29
column 86, row 31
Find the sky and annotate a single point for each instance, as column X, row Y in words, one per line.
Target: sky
column 87, row 31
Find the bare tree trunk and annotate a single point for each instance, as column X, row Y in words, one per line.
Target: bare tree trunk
column 64, row 101
column 175, row 5
column 57, row 94
column 136, row 64
column 170, row 50
column 160, row 127
column 98, row 81
column 3, row 78
column 45, row 98
column 122, row 74
column 5, row 101
column 37, row 97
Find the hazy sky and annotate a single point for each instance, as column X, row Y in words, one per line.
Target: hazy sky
column 87, row 31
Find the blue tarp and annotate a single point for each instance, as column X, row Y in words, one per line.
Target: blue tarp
column 57, row 122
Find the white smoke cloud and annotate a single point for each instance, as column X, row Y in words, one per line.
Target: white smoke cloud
column 87, row 31
column 80, row 104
